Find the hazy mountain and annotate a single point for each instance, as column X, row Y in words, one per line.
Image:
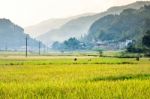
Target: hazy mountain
column 45, row 26
column 50, row 24
column 13, row 37
column 80, row 26
column 130, row 24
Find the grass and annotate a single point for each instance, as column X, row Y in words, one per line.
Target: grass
column 60, row 77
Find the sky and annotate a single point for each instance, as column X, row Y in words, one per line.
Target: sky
column 30, row 12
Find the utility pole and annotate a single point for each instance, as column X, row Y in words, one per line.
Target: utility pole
column 26, row 45
column 45, row 49
column 39, row 47
column 14, row 29
column 6, row 47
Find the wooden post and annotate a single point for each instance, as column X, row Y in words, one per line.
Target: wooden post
column 39, row 48
column 26, row 45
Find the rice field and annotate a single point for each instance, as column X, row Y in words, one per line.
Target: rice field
column 60, row 77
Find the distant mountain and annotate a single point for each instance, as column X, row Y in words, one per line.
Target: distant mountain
column 45, row 26
column 13, row 37
column 50, row 24
column 130, row 24
column 80, row 26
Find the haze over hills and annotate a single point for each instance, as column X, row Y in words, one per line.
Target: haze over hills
column 113, row 32
column 79, row 26
column 12, row 37
column 50, row 24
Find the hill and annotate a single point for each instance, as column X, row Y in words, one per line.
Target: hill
column 130, row 24
column 50, row 24
column 13, row 37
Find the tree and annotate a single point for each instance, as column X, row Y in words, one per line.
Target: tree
column 56, row 45
column 146, row 43
column 100, row 52
column 72, row 44
column 132, row 48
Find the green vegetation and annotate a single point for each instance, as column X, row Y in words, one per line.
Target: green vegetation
column 145, row 46
column 146, row 43
column 60, row 77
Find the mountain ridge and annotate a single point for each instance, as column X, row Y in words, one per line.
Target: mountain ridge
column 49, row 24
column 80, row 26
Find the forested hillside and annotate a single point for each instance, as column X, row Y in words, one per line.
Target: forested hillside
column 130, row 24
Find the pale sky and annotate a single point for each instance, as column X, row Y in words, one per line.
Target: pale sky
column 30, row 12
